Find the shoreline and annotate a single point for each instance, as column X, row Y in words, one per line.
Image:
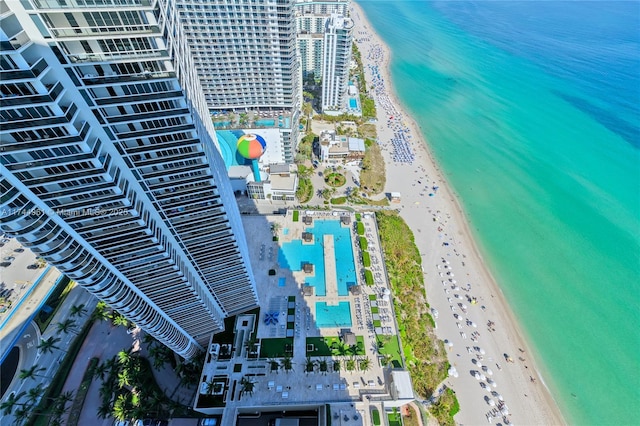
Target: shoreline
column 520, row 383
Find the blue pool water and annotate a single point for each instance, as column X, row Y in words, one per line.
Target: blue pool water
column 294, row 254
column 265, row 123
column 221, row 124
column 333, row 316
column 353, row 104
column 282, row 281
column 227, row 139
column 285, row 231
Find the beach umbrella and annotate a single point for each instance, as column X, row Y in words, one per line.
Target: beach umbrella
column 454, row 281
column 476, row 375
column 478, row 363
column 482, row 377
column 473, row 324
column 500, row 398
column 464, row 306
column 489, row 372
column 492, row 403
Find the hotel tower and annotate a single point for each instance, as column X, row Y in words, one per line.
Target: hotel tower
column 337, row 59
column 109, row 166
column 245, row 55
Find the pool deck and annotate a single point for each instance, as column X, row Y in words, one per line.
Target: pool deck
column 330, row 282
column 359, row 390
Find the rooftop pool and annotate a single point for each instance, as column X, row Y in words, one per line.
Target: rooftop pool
column 333, row 316
column 294, row 254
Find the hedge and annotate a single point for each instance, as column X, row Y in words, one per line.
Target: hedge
column 368, row 277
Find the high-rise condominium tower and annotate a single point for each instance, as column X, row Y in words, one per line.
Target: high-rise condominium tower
column 311, row 19
column 245, row 54
column 336, row 61
column 109, row 169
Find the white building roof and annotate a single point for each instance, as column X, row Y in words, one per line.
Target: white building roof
column 402, row 382
column 356, row 144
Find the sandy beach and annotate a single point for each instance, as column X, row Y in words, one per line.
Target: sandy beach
column 496, row 371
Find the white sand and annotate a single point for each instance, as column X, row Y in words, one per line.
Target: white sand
column 528, row 402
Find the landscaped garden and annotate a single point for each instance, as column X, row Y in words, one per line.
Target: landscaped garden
column 333, row 346
column 335, row 179
column 424, row 353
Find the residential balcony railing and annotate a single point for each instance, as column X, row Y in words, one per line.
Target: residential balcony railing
column 105, row 31
column 115, row 56
column 32, row 99
column 83, row 4
column 33, row 72
column 16, row 42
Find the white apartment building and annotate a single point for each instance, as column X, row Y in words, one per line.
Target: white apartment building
column 245, row 55
column 337, row 59
column 311, row 18
column 109, row 169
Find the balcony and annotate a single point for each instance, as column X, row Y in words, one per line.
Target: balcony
column 32, row 100
column 110, row 57
column 110, row 31
column 16, row 42
column 105, row 4
column 33, row 72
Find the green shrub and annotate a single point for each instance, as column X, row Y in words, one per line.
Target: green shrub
column 360, row 228
column 366, row 259
column 358, row 216
column 296, row 215
column 363, row 243
column 375, row 417
column 368, row 277
column 272, row 272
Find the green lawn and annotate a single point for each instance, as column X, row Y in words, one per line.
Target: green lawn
column 388, row 345
column 395, row 419
column 330, row 346
column 275, row 348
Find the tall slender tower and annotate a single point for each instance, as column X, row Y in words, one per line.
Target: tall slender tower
column 311, row 19
column 245, row 54
column 109, row 169
column 337, row 58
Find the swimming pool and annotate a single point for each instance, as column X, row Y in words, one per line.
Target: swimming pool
column 353, row 104
column 218, row 124
column 227, row 139
column 294, row 254
column 265, row 123
column 333, row 316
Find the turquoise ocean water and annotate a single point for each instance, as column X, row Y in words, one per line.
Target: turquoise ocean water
column 532, row 111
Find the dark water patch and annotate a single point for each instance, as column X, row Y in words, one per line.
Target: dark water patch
column 8, row 369
column 626, row 130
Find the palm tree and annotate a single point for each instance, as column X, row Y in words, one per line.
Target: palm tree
column 61, row 402
column 274, row 365
column 104, row 410
column 99, row 370
column 323, row 366
column 351, row 364
column 48, row 345
column 66, row 327
column 101, row 312
column 121, row 408
column 22, row 414
column 309, row 366
column 124, row 378
column 125, row 357
column 119, row 319
column 247, row 386
column 336, row 365
column 365, row 364
column 287, row 365
column 78, row 310
column 35, row 393
column 30, row 373
column 12, row 401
